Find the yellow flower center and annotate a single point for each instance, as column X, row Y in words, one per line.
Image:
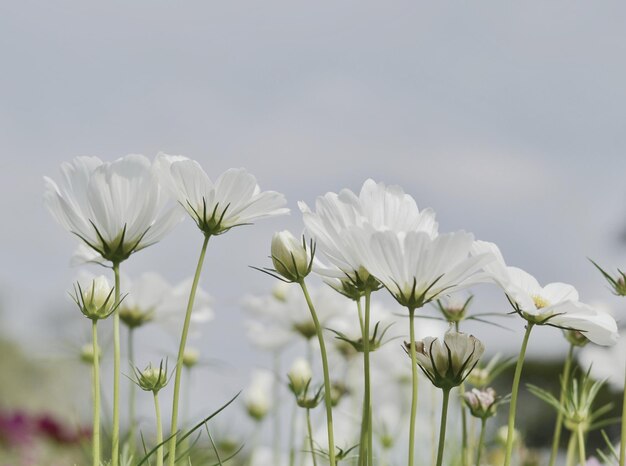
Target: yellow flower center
column 540, row 302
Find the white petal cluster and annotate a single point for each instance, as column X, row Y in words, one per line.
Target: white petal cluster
column 116, row 208
column 377, row 207
column 555, row 304
column 233, row 199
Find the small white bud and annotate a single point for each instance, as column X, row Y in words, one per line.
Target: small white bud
column 290, row 256
column 299, row 376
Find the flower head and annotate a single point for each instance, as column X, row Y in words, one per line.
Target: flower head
column 447, row 363
column 300, row 376
column 115, row 208
column 481, row 403
column 234, row 199
column 377, row 207
column 257, row 398
column 555, row 304
column 152, row 379
column 417, row 268
column 95, row 298
column 292, row 258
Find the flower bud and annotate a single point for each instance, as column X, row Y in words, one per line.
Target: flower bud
column 257, row 396
column 86, row 353
column 190, row 357
column 454, row 309
column 134, row 317
column 299, row 376
column 481, row 403
column 291, row 257
column 152, row 379
column 575, row 337
column 95, row 299
column 447, row 363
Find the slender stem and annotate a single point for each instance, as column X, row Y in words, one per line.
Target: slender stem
column 159, row 427
column 368, row 388
column 481, row 440
column 131, row 395
column 514, row 393
column 362, row 459
column 414, row 387
column 581, row 445
column 571, row 449
column 310, row 431
column 276, row 386
column 292, row 436
column 464, row 447
column 622, row 447
column 96, row 395
column 559, row 418
column 442, row 429
column 433, row 422
column 115, row 435
column 327, row 388
column 181, row 351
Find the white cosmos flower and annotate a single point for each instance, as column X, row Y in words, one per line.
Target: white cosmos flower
column 606, row 363
column 170, row 312
column 258, row 395
column 379, row 207
column 555, row 304
column 292, row 314
column 233, row 199
column 416, row 267
column 115, row 208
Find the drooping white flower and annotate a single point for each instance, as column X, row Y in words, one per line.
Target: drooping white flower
column 233, row 199
column 116, row 208
column 447, row 362
column 377, row 207
column 417, row 268
column 555, row 304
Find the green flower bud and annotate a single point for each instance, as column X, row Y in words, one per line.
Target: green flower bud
column 86, row 353
column 96, row 299
column 190, row 357
column 299, row 376
column 152, row 379
column 292, row 259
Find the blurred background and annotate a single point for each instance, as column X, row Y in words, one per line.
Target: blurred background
column 507, row 119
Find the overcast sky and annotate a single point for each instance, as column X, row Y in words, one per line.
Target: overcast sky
column 506, row 118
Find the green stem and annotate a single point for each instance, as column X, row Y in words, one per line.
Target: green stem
column 96, row 395
column 514, row 393
column 622, row 447
column 365, row 445
column 181, row 351
column 571, row 449
column 310, row 431
column 292, row 436
column 131, row 395
column 368, row 388
column 414, row 387
column 276, row 386
column 442, row 429
column 464, row 448
column 481, row 440
column 581, row 445
column 159, row 427
column 327, row 388
column 559, row 418
column 115, row 435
